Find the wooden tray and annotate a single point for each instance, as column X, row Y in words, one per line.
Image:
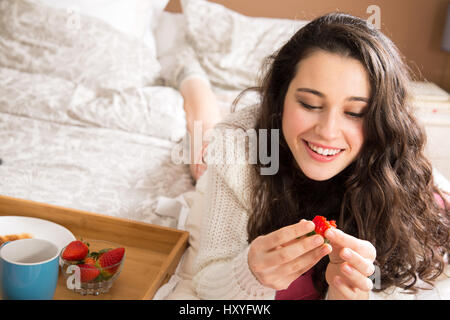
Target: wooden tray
column 152, row 252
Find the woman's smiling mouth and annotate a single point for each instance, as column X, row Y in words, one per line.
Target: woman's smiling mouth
column 322, row 153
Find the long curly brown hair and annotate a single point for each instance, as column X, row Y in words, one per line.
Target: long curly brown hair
column 386, row 196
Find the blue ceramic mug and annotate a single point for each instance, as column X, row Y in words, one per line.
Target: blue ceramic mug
column 28, row 269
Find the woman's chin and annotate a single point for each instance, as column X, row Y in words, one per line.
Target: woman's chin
column 318, row 174
column 319, row 177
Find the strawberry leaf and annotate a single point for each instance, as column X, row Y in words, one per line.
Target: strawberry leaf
column 94, row 255
column 311, row 233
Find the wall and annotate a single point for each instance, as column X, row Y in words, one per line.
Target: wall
column 415, row 26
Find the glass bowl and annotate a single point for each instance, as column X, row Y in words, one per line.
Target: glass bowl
column 101, row 283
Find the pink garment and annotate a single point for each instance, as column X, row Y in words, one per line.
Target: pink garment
column 440, row 201
column 300, row 289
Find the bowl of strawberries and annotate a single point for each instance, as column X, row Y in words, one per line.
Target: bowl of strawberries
column 91, row 267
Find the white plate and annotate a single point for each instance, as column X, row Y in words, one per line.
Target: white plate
column 38, row 228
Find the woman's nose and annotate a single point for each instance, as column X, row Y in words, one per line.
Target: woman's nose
column 328, row 126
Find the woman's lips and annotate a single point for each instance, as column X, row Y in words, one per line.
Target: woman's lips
column 321, row 153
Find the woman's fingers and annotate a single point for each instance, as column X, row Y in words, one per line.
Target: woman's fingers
column 361, row 264
column 278, row 258
column 287, row 253
column 284, row 274
column 300, row 247
column 304, row 262
column 356, row 269
column 344, row 289
column 268, row 251
column 284, row 235
column 339, row 238
column 351, row 262
column 356, row 278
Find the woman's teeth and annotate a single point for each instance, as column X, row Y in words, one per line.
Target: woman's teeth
column 322, row 151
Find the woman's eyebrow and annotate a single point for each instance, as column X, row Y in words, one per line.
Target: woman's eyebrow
column 317, row 93
column 358, row 99
column 321, row 95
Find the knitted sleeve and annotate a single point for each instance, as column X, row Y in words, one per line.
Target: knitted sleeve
column 222, row 270
column 184, row 64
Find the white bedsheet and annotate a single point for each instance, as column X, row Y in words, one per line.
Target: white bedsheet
column 59, row 148
column 95, row 169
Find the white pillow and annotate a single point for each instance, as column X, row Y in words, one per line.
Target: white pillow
column 230, row 46
column 41, row 39
column 137, row 18
column 170, row 36
column 170, row 33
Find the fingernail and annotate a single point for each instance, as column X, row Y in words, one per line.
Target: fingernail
column 347, row 269
column 330, row 233
column 326, row 249
column 318, row 240
column 370, row 269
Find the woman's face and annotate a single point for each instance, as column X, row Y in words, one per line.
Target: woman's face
column 323, row 113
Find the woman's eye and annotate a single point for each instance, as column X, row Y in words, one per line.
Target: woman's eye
column 307, row 106
column 355, row 115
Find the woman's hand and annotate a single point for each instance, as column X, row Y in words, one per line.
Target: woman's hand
column 280, row 257
column 200, row 104
column 351, row 263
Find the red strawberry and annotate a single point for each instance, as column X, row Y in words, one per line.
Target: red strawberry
column 76, row 250
column 88, row 272
column 110, row 258
column 323, row 225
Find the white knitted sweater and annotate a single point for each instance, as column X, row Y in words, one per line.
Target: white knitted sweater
column 221, row 269
column 221, row 263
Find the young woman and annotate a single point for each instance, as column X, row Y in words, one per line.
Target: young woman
column 351, row 150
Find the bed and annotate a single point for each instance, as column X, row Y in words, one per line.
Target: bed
column 89, row 110
column 82, row 125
